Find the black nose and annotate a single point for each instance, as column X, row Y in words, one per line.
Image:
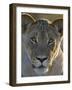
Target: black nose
column 41, row 59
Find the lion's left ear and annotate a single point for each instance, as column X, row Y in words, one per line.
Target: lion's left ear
column 59, row 25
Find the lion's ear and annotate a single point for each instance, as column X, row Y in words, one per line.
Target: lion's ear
column 26, row 19
column 59, row 25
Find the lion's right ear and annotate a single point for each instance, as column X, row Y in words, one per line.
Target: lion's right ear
column 26, row 20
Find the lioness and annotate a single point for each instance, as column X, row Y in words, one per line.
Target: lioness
column 41, row 51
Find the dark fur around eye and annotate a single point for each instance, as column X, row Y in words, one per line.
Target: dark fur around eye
column 51, row 44
column 50, row 41
column 33, row 40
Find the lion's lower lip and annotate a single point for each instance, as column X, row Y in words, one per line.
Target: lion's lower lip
column 40, row 67
column 41, row 71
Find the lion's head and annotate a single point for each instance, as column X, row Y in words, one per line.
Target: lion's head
column 42, row 41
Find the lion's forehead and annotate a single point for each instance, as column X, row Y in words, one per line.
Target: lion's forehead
column 40, row 25
column 44, row 35
column 42, row 29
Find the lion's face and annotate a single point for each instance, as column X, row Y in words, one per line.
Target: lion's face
column 42, row 42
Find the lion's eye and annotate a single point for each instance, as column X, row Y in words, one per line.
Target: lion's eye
column 33, row 40
column 50, row 42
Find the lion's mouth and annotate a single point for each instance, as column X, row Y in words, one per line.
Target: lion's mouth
column 39, row 67
column 40, row 70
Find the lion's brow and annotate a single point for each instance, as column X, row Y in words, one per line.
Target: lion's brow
column 40, row 25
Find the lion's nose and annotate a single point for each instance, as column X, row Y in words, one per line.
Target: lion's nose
column 41, row 59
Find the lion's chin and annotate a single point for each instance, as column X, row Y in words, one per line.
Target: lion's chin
column 41, row 71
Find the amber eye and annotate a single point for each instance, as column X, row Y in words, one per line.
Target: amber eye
column 33, row 40
column 50, row 42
